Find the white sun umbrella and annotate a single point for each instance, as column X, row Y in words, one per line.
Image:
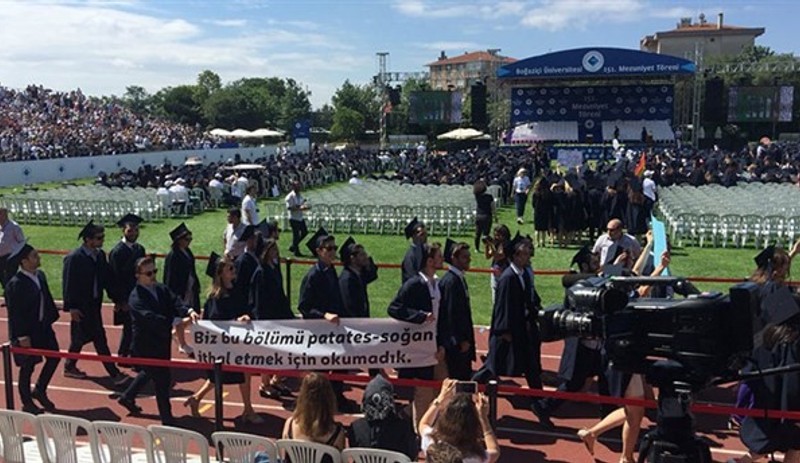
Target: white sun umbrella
column 241, row 133
column 460, row 134
column 220, row 132
column 266, row 133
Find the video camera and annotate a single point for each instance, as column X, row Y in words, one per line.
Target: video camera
column 706, row 333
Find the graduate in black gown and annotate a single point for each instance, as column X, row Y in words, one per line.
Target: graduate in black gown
column 84, row 279
column 417, row 301
column 413, row 261
column 122, row 261
column 226, row 304
column 180, row 276
column 455, row 312
column 153, row 307
column 31, row 314
column 248, row 262
column 358, row 271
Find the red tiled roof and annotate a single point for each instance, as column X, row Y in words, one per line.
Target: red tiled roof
column 710, row 27
column 473, row 56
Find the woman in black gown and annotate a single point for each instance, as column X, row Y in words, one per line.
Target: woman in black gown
column 542, row 210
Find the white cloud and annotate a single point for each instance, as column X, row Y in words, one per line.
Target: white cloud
column 554, row 15
column 229, row 22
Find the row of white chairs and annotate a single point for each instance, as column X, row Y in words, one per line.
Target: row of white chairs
column 56, row 439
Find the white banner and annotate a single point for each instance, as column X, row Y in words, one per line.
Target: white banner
column 355, row 343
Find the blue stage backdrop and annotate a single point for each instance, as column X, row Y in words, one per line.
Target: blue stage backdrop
column 592, row 105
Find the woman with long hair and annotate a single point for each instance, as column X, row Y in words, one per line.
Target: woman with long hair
column 542, row 210
column 226, row 304
column 312, row 419
column 461, row 420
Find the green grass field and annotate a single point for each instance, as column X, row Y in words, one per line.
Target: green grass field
column 207, row 229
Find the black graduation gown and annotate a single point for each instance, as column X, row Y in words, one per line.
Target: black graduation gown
column 228, row 307
column 246, row 265
column 354, row 294
column 23, row 299
column 455, row 312
column 178, row 268
column 412, row 262
column 80, row 275
column 542, row 210
column 122, row 261
column 774, row 392
column 319, row 293
column 267, row 296
column 412, row 304
column 151, row 320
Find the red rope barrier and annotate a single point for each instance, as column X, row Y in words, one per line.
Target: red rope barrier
column 512, row 391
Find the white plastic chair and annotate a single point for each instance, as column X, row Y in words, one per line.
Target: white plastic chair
column 57, row 436
column 171, row 445
column 238, row 447
column 368, row 455
column 115, row 442
column 12, row 426
column 301, row 451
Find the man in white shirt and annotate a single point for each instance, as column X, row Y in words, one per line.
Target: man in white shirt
column 354, row 180
column 649, row 189
column 11, row 240
column 249, row 207
column 616, row 247
column 179, row 195
column 297, row 206
column 231, row 242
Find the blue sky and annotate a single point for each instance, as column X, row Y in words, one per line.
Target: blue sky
column 103, row 46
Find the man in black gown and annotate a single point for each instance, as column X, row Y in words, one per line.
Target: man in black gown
column 122, row 262
column 456, row 312
column 413, row 261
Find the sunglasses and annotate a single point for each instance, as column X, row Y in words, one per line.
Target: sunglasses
column 329, row 248
column 150, row 273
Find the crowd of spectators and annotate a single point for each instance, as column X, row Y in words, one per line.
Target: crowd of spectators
column 39, row 123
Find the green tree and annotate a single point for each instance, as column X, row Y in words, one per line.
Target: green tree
column 137, row 99
column 323, row 117
column 348, row 124
column 179, row 104
column 294, row 105
column 365, row 100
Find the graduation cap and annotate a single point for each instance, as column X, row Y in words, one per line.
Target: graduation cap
column 449, row 245
column 316, row 240
column 779, row 306
column 213, row 261
column 130, row 219
column 267, row 228
column 511, row 245
column 89, row 230
column 412, row 226
column 17, row 255
column 764, row 258
column 179, row 231
column 346, row 249
column 248, row 232
column 581, row 257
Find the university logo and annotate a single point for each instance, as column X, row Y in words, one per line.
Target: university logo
column 593, row 61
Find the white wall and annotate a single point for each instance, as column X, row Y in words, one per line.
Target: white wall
column 63, row 169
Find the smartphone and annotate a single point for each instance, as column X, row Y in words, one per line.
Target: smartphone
column 467, row 387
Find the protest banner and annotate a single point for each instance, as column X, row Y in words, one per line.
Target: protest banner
column 354, row 343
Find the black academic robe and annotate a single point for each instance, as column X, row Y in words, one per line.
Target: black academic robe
column 246, row 265
column 319, row 293
column 412, row 304
column 512, row 313
column 455, row 313
column 83, row 282
column 152, row 320
column 228, row 307
column 354, row 294
column 178, row 270
column 412, row 262
column 122, row 261
column 24, row 299
column 268, row 297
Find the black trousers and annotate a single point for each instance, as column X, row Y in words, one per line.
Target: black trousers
column 299, row 231
column 127, row 336
column 459, row 365
column 5, row 271
column 588, row 363
column 483, row 227
column 162, row 380
column 90, row 330
column 28, row 364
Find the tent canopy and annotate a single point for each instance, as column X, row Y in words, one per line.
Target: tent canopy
column 219, row 132
column 460, row 134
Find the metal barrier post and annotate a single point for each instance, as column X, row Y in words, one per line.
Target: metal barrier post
column 491, row 391
column 289, row 281
column 218, row 394
column 8, row 376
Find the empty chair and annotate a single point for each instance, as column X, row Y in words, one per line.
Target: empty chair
column 367, row 455
column 12, row 427
column 115, row 442
column 301, row 451
column 57, row 437
column 172, row 445
column 237, row 447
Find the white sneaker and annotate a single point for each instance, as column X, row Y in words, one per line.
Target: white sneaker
column 186, row 350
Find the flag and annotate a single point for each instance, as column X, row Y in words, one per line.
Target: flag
column 640, row 166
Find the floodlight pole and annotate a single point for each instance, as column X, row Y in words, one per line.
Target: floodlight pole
column 382, row 81
column 697, row 93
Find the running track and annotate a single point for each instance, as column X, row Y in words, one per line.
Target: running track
column 521, row 437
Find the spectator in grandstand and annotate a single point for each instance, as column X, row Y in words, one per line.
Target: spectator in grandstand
column 11, row 240
column 297, row 206
column 232, row 241
column 180, row 276
column 31, row 314
column 153, row 307
column 521, row 186
column 270, row 303
column 617, row 247
column 455, row 312
column 312, row 419
column 224, row 303
column 85, row 277
column 461, row 420
column 122, row 263
column 484, row 212
column 418, row 301
column 250, row 207
column 413, row 260
column 383, row 425
column 495, row 250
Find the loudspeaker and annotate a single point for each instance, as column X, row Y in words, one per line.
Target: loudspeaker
column 478, row 105
column 394, row 95
column 714, row 107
